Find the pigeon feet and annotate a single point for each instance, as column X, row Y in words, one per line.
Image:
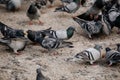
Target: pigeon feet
column 50, row 6
column 18, row 53
column 34, row 43
column 41, row 23
column 30, row 23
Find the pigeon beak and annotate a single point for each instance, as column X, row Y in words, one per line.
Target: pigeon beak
column 25, row 33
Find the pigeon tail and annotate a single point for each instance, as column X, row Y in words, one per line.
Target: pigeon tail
column 67, row 44
column 4, row 41
column 79, row 21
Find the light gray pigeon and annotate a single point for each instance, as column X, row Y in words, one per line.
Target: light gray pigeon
column 72, row 7
column 13, row 5
column 52, row 43
column 90, row 55
column 60, row 34
column 112, row 56
column 40, row 76
column 15, row 44
column 90, row 27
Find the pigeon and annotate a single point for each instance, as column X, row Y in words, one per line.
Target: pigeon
column 112, row 56
column 33, row 13
column 67, row 1
column 13, row 5
column 93, row 12
column 9, row 32
column 108, row 6
column 60, row 34
column 118, row 47
column 33, row 35
column 52, row 43
column 90, row 55
column 15, row 44
column 114, row 16
column 107, row 28
column 90, row 27
column 3, row 1
column 87, row 3
column 40, row 76
column 44, row 2
column 72, row 7
column 114, row 12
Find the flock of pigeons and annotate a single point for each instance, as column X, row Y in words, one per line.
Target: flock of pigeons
column 100, row 18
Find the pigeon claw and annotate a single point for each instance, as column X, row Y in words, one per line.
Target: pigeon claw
column 41, row 23
column 18, row 53
column 30, row 23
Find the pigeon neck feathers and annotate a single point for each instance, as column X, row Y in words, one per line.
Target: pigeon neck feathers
column 97, row 47
column 70, row 32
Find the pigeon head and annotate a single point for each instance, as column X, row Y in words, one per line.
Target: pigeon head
column 98, row 47
column 32, row 9
column 81, row 22
column 29, row 31
column 38, row 5
column 20, row 33
column 10, row 6
column 70, row 31
column 107, row 49
column 118, row 45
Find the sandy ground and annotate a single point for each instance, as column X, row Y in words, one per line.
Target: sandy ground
column 23, row 67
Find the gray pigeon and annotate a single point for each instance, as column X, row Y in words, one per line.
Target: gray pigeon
column 107, row 28
column 15, row 44
column 52, row 43
column 90, row 55
column 9, row 32
column 114, row 16
column 4, row 1
column 44, row 2
column 40, row 76
column 60, row 34
column 66, row 1
column 13, row 5
column 90, row 27
column 93, row 12
column 33, row 35
column 72, row 7
column 112, row 56
column 33, row 13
